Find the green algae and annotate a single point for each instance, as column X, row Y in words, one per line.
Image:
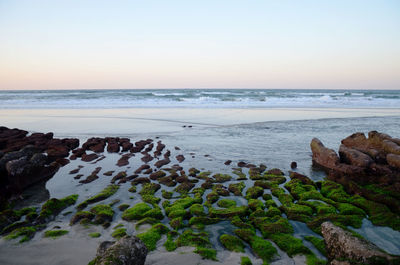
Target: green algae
column 273, row 225
column 273, row 211
column 240, row 174
column 220, row 178
column 140, row 211
column 226, row 203
column 236, row 221
column 166, row 194
column 54, row 206
column 104, row 194
column 232, row 243
column 236, row 188
column 104, row 213
column 190, row 238
column 95, row 235
column 197, row 209
column 149, row 188
column 290, row 244
column 82, row 215
column 201, row 221
column 206, row 253
column 123, row 207
column 26, row 233
column 119, row 233
column 255, row 204
column 262, row 248
column 55, row 233
column 318, row 243
column 245, row 261
column 228, row 212
column 212, row 197
column 254, row 192
column 170, row 244
column 147, row 220
column 153, row 235
column 177, row 223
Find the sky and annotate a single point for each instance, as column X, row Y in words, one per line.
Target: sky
column 199, row 44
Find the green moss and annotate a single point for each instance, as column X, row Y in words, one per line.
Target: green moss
column 298, row 212
column 176, row 223
column 26, row 233
column 348, row 209
column 273, row 211
column 229, row 212
column 278, row 179
column 255, row 204
column 25, row 211
column 263, row 248
column 237, row 188
column 240, row 174
column 245, row 261
column 341, row 220
column 170, row 244
column 232, row 243
column 226, row 203
column 203, row 220
column 54, row 206
column 119, row 233
column 140, row 211
column 55, row 233
column 95, row 235
column 318, row 243
column 254, row 192
column 212, row 197
column 151, row 199
column 104, row 194
column 203, row 175
column 236, row 221
column 334, row 191
column 319, row 208
column 132, row 189
column 149, row 188
column 289, row 244
column 197, row 209
column 123, row 207
column 311, row 259
column 273, row 225
column 147, row 220
column 80, row 216
column 104, row 213
column 190, row 238
column 151, row 237
column 220, row 178
column 166, row 194
column 206, row 253
column 177, row 213
column 245, row 234
column 270, row 203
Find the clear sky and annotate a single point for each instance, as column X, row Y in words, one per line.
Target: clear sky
column 66, row 44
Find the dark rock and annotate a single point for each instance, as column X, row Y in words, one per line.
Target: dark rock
column 304, row 179
column 92, row 177
column 180, row 158
column 89, row 158
column 275, row 171
column 354, row 157
column 140, row 180
column 129, row 250
column 342, row 245
column 119, row 176
column 241, row 164
column 393, row 160
column 112, row 147
column 228, row 162
column 141, row 168
column 323, row 156
column 167, row 154
column 293, row 165
column 147, row 158
column 162, row 162
column 177, row 148
column 124, row 160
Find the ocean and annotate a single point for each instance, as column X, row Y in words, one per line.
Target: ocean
column 199, row 98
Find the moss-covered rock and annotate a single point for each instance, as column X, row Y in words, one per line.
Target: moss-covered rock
column 203, row 221
column 240, row 174
column 197, row 209
column 177, row 223
column 254, row 192
column 237, row 188
column 212, row 197
column 151, row 237
column 149, row 188
column 232, row 243
column 206, row 253
column 95, row 235
column 170, row 244
column 166, row 194
column 255, row 204
column 226, row 203
column 26, row 234
column 190, row 238
column 273, row 225
column 273, row 211
column 220, row 178
column 318, row 243
column 104, row 194
column 245, row 261
column 80, row 216
column 119, row 233
column 238, row 222
column 123, row 207
column 228, row 212
column 55, row 233
column 140, row 211
column 289, row 244
column 104, row 213
column 147, row 220
column 54, row 206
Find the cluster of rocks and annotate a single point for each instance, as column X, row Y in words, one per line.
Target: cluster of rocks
column 28, row 159
column 363, row 161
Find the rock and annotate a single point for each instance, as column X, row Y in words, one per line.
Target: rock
column 113, row 147
column 141, row 168
column 323, row 156
column 293, row 165
column 342, row 245
column 124, row 160
column 162, row 162
column 227, row 162
column 390, row 147
column 55, row 152
column 147, row 158
column 354, row 157
column 241, row 164
column 129, row 250
column 180, row 158
column 89, row 158
column 393, row 160
column 304, row 179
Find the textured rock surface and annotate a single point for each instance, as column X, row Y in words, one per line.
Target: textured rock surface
column 128, row 250
column 342, row 245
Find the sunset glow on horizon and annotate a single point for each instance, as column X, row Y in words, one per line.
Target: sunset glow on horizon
column 199, row 44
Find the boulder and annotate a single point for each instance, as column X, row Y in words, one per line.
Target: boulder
column 393, row 160
column 342, row 245
column 129, row 250
column 323, row 156
column 354, row 157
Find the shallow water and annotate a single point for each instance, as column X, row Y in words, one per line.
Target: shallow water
column 207, row 147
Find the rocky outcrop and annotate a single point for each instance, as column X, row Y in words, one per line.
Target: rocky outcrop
column 29, row 159
column 128, row 250
column 343, row 247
